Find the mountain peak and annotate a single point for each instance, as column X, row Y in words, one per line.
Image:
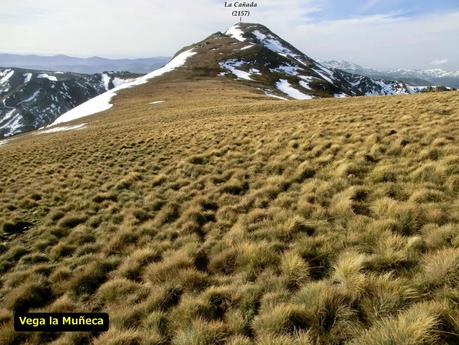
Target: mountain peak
column 254, row 55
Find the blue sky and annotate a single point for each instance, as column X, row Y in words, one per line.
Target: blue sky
column 345, row 9
column 383, row 34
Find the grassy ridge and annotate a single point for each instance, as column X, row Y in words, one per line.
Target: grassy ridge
column 220, row 217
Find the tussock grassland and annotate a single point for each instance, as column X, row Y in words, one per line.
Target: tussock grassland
column 224, row 217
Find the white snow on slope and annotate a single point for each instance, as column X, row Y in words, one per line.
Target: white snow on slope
column 5, row 76
column 157, row 102
column 12, row 126
column 284, row 86
column 8, row 115
column 236, row 33
column 118, row 81
column 272, row 43
column 305, row 84
column 102, row 102
column 62, row 129
column 106, row 81
column 276, row 46
column 47, row 76
column 247, row 47
column 31, row 98
column 259, row 35
column 3, row 142
column 231, row 66
column 288, row 69
column 115, row 81
column 27, row 77
column 322, row 72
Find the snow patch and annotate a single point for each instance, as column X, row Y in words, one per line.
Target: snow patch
column 288, row 69
column 102, row 102
column 62, row 129
column 259, row 35
column 284, row 86
column 12, row 126
column 273, row 44
column 3, row 142
column 236, row 33
column 118, row 81
column 106, row 81
column 46, row 76
column 231, row 66
column 9, row 115
column 6, row 75
column 247, row 47
column 340, row 95
column 27, row 77
column 323, row 73
column 31, row 98
column 157, row 102
column 305, row 85
column 389, row 88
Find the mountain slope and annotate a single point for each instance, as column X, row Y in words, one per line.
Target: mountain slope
column 90, row 65
column 255, row 56
column 31, row 99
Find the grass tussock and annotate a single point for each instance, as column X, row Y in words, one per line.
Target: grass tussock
column 225, row 218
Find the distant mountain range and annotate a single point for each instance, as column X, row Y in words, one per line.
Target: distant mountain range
column 30, row 99
column 428, row 77
column 81, row 65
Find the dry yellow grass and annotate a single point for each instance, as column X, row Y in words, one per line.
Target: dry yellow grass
column 224, row 217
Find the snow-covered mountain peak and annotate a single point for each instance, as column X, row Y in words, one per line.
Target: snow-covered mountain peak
column 253, row 54
column 260, row 56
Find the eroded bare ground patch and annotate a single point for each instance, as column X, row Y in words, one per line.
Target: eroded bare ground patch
column 222, row 218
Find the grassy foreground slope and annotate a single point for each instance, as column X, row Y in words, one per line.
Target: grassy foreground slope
column 224, row 217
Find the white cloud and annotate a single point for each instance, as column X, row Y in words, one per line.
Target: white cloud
column 439, row 62
column 141, row 28
column 382, row 41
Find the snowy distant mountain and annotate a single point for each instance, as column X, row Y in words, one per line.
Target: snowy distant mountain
column 413, row 77
column 31, row 99
column 81, row 65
